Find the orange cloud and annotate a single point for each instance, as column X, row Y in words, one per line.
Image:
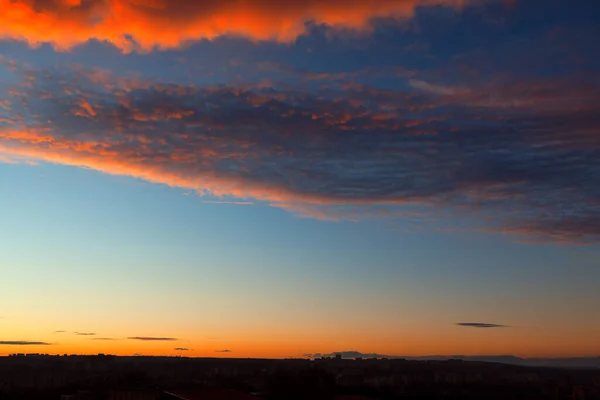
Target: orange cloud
column 100, row 157
column 148, row 24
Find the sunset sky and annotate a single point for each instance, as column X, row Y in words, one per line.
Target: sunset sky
column 240, row 178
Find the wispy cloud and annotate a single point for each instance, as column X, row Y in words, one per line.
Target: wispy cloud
column 181, row 349
column 104, row 338
column 151, row 338
column 223, row 351
column 11, row 159
column 85, row 333
column 480, row 325
column 243, row 203
column 59, row 331
column 22, row 343
column 436, row 89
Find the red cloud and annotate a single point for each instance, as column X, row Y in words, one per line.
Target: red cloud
column 148, row 24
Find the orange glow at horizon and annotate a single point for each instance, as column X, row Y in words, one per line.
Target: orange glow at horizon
column 455, row 341
column 260, row 179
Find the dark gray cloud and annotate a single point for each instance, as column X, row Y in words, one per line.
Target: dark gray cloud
column 223, row 351
column 151, row 338
column 514, row 155
column 480, row 325
column 22, row 343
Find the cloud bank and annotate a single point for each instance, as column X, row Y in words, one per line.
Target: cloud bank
column 518, row 156
column 149, row 24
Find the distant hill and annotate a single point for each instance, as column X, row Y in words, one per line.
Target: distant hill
column 581, row 362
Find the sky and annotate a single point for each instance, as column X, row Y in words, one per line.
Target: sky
column 228, row 179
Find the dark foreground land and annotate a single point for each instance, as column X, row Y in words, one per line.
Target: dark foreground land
column 162, row 378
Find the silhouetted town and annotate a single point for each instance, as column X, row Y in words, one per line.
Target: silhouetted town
column 107, row 377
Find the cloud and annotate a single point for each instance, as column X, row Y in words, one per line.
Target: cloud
column 59, row 331
column 181, row 349
column 11, row 159
column 480, row 325
column 104, row 338
column 84, row 333
column 150, row 338
column 223, row 351
column 22, row 343
column 510, row 156
column 239, row 203
column 149, row 24
column 436, row 89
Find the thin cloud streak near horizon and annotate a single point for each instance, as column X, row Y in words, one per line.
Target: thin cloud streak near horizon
column 23, row 343
column 238, row 203
column 481, row 325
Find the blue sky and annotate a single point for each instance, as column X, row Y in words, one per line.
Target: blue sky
column 360, row 184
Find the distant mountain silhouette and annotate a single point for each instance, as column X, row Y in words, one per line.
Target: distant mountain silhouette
column 580, row 362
